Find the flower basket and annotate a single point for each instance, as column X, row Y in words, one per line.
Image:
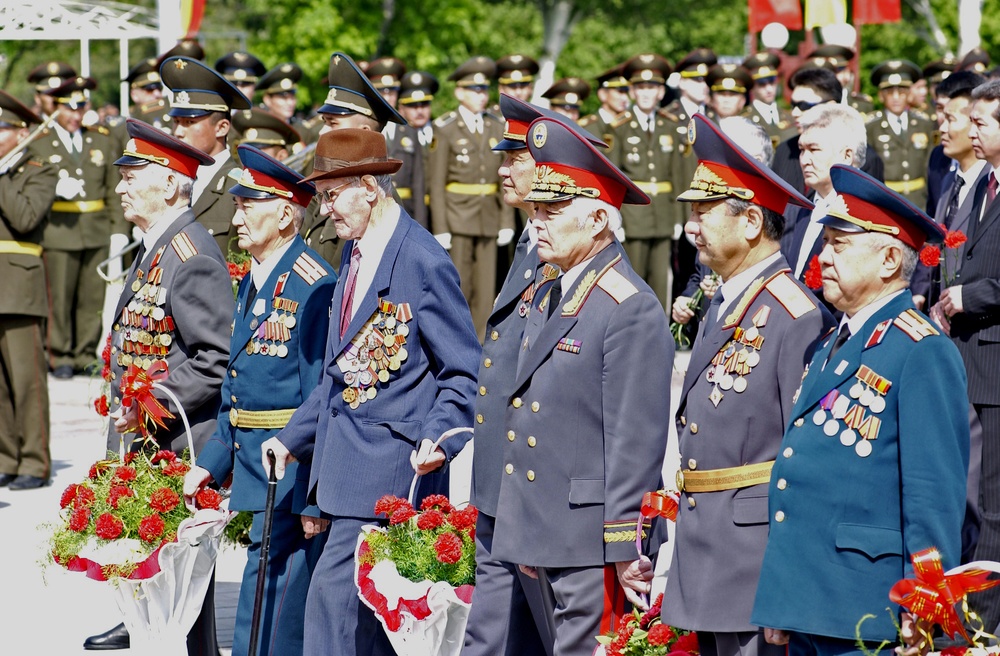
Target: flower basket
column 643, row 634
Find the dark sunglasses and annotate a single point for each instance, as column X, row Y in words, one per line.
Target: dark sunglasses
column 802, row 105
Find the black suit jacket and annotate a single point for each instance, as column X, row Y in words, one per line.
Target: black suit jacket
column 939, row 166
column 786, row 164
column 796, row 221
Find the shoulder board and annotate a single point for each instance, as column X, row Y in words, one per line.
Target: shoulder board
column 114, row 121
column 148, row 107
column 617, row 286
column 587, row 120
column 919, row 113
column 874, row 116
column 622, row 119
column 751, row 293
column 915, row 325
column 99, row 128
column 863, row 96
column 670, row 116
column 584, row 287
column 183, row 246
column 489, row 113
column 308, row 269
column 444, row 120
column 790, row 296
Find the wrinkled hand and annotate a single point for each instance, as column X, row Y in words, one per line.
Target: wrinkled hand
column 680, row 312
column 528, row 571
column 913, row 631
column 776, row 636
column 636, row 578
column 126, row 419
column 427, row 458
column 282, row 457
column 444, row 238
column 709, row 285
column 69, row 188
column 505, row 236
column 313, row 526
column 937, row 315
column 951, row 301
column 194, row 481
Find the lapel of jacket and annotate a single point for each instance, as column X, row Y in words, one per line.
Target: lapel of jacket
column 380, row 284
column 179, row 224
column 212, row 191
column 556, row 327
column 242, row 330
column 976, row 226
column 847, row 360
column 947, row 182
column 516, row 282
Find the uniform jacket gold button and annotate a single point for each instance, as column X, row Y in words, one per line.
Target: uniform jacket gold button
column 692, row 464
column 534, row 406
column 531, row 475
column 487, row 363
column 479, row 419
column 799, row 422
column 510, row 435
column 788, row 452
column 782, row 484
column 694, row 428
column 494, row 335
column 509, row 468
column 517, row 403
column 779, row 516
column 482, row 390
column 692, row 502
column 684, row 421
column 532, row 441
column 233, row 398
column 233, row 372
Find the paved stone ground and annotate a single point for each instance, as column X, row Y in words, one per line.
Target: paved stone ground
column 50, row 611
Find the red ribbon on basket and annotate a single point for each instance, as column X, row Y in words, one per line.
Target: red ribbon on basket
column 660, row 503
column 147, row 569
column 137, row 386
column 932, row 595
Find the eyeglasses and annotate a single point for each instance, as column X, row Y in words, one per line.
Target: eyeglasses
column 764, row 81
column 802, row 105
column 329, row 197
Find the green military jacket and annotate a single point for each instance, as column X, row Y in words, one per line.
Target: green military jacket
column 214, row 209
column 904, row 155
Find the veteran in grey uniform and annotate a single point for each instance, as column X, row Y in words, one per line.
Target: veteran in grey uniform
column 587, row 418
column 757, row 337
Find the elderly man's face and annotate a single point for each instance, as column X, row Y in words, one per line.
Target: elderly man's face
column 142, row 190
column 565, row 233
column 851, row 265
column 256, row 222
column 718, row 237
column 345, row 201
column 517, row 172
column 819, row 150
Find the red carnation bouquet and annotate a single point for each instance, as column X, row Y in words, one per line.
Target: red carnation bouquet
column 931, row 255
column 238, row 261
column 643, row 634
column 417, row 574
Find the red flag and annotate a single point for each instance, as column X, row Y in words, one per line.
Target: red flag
column 786, row 12
column 877, row 11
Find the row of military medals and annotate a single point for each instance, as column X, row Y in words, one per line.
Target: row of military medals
column 549, row 272
column 272, row 333
column 146, row 329
column 737, row 358
column 869, row 391
column 380, row 347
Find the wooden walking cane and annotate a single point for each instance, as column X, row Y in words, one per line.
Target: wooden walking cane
column 265, row 548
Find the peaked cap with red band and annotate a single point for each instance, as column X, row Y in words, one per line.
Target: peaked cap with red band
column 519, row 115
column 726, row 171
column 567, row 166
column 152, row 145
column 863, row 204
column 262, row 176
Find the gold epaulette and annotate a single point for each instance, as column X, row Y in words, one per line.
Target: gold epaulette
column 99, row 129
column 874, row 116
column 915, row 325
column 583, row 288
column 670, row 116
column 445, row 119
column 751, row 293
column 623, row 531
column 148, row 107
column 587, row 120
column 308, row 269
column 183, row 246
column 622, row 119
column 791, row 297
column 617, row 286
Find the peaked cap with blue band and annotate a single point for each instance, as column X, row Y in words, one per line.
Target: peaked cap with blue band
column 726, row 171
column 568, row 166
column 262, row 176
column 863, row 204
column 198, row 90
column 351, row 92
column 519, row 115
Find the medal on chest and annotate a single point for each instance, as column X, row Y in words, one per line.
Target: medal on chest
column 735, row 360
column 378, row 349
column 271, row 334
column 145, row 331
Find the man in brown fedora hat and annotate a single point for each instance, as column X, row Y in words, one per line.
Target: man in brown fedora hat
column 361, row 431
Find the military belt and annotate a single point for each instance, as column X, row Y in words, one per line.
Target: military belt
column 471, row 189
column 20, row 248
column 730, row 478
column 405, row 193
column 906, row 186
column 654, row 188
column 260, row 418
column 78, row 206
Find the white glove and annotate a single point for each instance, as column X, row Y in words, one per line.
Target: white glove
column 444, row 239
column 505, row 236
column 678, row 231
column 118, row 242
column 620, row 233
column 67, row 187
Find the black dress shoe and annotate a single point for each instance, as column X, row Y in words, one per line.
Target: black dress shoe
column 5, row 479
column 25, row 482
column 63, row 372
column 116, row 638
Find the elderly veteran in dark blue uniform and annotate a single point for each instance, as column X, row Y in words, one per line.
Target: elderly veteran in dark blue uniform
column 275, row 356
column 500, row 620
column 588, row 415
column 176, row 307
column 759, row 334
column 872, row 466
column 376, row 403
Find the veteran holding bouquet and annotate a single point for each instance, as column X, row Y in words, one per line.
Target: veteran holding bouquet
column 400, row 370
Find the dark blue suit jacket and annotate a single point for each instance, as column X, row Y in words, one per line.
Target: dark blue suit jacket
column 360, row 454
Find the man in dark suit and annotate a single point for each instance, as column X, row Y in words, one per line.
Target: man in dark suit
column 175, row 308
column 969, row 311
column 873, row 463
column 587, row 432
column 201, row 109
column 359, row 432
column 282, row 307
column 27, row 187
column 737, row 394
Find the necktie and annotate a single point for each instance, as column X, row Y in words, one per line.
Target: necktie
column 141, row 253
column 991, row 188
column 949, row 215
column 352, row 280
column 555, row 296
column 842, row 337
column 712, row 316
column 77, row 142
column 251, row 295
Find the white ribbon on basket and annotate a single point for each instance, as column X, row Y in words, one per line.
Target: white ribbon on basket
column 438, row 442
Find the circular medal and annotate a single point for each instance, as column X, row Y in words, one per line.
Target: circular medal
column 401, row 354
column 372, row 392
column 403, row 330
column 863, row 448
column 848, row 437
column 389, row 341
column 840, row 407
column 264, row 350
column 290, row 320
column 158, row 313
column 867, row 397
column 727, row 382
column 753, row 359
column 522, row 310
column 394, row 363
column 350, row 377
column 282, row 351
column 740, row 385
column 831, row 427
column 350, row 395
column 819, row 417
column 383, row 375
column 730, row 350
column 136, row 285
column 710, row 375
column 273, row 351
column 878, row 404
column 752, row 334
column 390, row 322
column 857, row 389
column 256, row 346
column 166, row 339
column 378, row 354
column 354, row 404
column 365, row 378
column 253, row 324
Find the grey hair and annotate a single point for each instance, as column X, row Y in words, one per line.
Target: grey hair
column 878, row 241
column 750, row 137
column 774, row 223
column 298, row 215
column 592, row 205
column 845, row 121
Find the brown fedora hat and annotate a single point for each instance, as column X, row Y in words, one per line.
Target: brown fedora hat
column 349, row 152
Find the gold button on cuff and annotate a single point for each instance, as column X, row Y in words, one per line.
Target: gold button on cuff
column 694, row 428
column 782, row 484
column 535, row 407
column 510, row 435
column 692, row 502
column 236, row 445
column 509, row 468
column 692, row 464
column 799, row 422
column 479, row 419
column 233, row 398
column 531, row 475
column 517, row 402
column 494, row 335
column 487, row 363
column 532, row 441
column 788, row 452
column 779, row 516
column 233, row 373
